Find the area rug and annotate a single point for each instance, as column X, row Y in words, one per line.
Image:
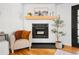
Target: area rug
column 61, row 52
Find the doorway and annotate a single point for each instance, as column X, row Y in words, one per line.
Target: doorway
column 75, row 26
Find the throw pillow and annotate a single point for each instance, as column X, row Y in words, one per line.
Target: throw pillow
column 25, row 34
column 18, row 34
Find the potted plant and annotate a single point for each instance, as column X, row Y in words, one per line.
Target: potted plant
column 29, row 14
column 58, row 24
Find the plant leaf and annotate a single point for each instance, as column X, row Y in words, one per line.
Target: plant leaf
column 54, row 30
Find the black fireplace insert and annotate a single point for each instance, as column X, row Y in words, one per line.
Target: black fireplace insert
column 39, row 30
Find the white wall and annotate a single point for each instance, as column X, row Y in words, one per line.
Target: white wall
column 10, row 17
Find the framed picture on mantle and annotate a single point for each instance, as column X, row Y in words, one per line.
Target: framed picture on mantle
column 41, row 11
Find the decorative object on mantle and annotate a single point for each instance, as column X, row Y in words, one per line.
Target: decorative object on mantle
column 29, row 14
column 40, row 17
column 41, row 11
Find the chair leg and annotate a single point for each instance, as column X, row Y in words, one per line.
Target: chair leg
column 29, row 48
column 12, row 51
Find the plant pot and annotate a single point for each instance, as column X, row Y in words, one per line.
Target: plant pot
column 58, row 44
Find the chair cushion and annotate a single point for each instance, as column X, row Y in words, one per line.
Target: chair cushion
column 25, row 34
column 21, row 43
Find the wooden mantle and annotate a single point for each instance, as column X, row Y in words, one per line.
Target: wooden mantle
column 40, row 17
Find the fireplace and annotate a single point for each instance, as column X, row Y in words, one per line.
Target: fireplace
column 39, row 30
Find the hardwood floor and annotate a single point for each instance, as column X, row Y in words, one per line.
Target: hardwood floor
column 37, row 51
column 70, row 49
column 34, row 52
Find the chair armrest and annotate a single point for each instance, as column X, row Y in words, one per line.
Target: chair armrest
column 12, row 40
column 30, row 39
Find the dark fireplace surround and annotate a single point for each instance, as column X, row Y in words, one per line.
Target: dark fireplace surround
column 40, row 31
